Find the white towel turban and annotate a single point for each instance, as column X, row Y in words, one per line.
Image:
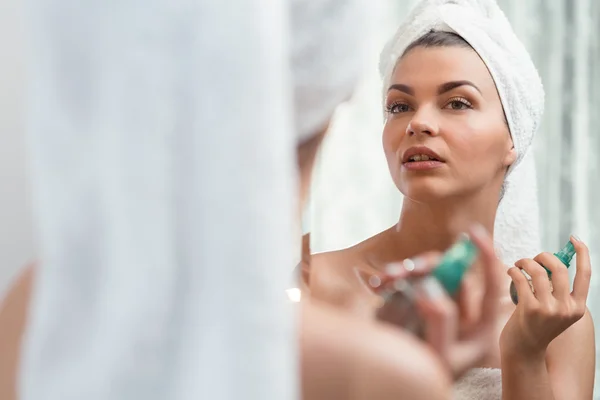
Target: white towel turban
column 328, row 47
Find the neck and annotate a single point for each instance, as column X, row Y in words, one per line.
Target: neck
column 436, row 226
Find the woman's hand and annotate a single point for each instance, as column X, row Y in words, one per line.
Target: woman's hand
column 548, row 310
column 459, row 347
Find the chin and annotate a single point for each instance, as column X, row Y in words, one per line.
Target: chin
column 425, row 189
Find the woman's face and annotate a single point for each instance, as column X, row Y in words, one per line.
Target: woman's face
column 445, row 133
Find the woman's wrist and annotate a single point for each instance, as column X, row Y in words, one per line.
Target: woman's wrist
column 521, row 349
column 522, row 357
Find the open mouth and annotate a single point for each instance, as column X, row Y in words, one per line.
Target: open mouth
column 421, row 157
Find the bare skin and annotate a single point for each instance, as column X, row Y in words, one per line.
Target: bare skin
column 13, row 320
column 333, row 280
column 348, row 358
column 445, row 99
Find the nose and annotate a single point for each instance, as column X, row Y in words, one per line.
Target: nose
column 423, row 123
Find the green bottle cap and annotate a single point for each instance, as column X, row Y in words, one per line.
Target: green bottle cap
column 565, row 255
column 455, row 262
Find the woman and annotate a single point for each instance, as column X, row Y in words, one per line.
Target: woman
column 457, row 122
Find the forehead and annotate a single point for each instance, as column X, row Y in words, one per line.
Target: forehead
column 432, row 66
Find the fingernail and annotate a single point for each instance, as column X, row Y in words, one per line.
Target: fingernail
column 417, row 264
column 432, row 288
column 479, row 230
column 463, row 236
column 409, row 264
column 577, row 239
column 374, row 281
column 394, row 269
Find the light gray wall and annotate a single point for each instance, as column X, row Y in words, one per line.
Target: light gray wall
column 16, row 237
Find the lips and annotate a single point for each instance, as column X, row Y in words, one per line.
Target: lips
column 420, row 154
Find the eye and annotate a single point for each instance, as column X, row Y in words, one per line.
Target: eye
column 397, row 108
column 458, row 103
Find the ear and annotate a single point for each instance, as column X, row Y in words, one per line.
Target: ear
column 511, row 156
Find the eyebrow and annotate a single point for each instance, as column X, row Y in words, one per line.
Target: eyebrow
column 443, row 88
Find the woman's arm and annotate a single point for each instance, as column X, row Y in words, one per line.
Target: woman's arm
column 13, row 319
column 571, row 361
column 565, row 371
column 547, row 346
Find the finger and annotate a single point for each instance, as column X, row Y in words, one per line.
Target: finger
column 561, row 287
column 539, row 278
column 440, row 315
column 469, row 308
column 423, row 264
column 581, row 284
column 492, row 271
column 522, row 285
column 414, row 267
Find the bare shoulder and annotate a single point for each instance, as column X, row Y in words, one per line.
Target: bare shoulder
column 330, row 279
column 348, row 258
column 339, row 277
column 13, row 320
column 364, row 359
column 18, row 294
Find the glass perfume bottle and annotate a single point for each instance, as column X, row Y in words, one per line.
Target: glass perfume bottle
column 565, row 255
column 399, row 298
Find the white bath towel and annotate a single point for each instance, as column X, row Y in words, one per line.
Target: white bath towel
column 479, row 384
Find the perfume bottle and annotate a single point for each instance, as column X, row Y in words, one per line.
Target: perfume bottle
column 398, row 298
column 565, row 255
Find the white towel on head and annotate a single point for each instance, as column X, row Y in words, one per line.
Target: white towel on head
column 326, row 58
column 485, row 27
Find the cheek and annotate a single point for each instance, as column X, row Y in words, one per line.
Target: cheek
column 479, row 151
column 391, row 138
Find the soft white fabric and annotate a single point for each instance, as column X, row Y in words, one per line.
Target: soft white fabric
column 484, row 26
column 479, row 384
column 517, row 227
column 163, row 153
column 328, row 45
